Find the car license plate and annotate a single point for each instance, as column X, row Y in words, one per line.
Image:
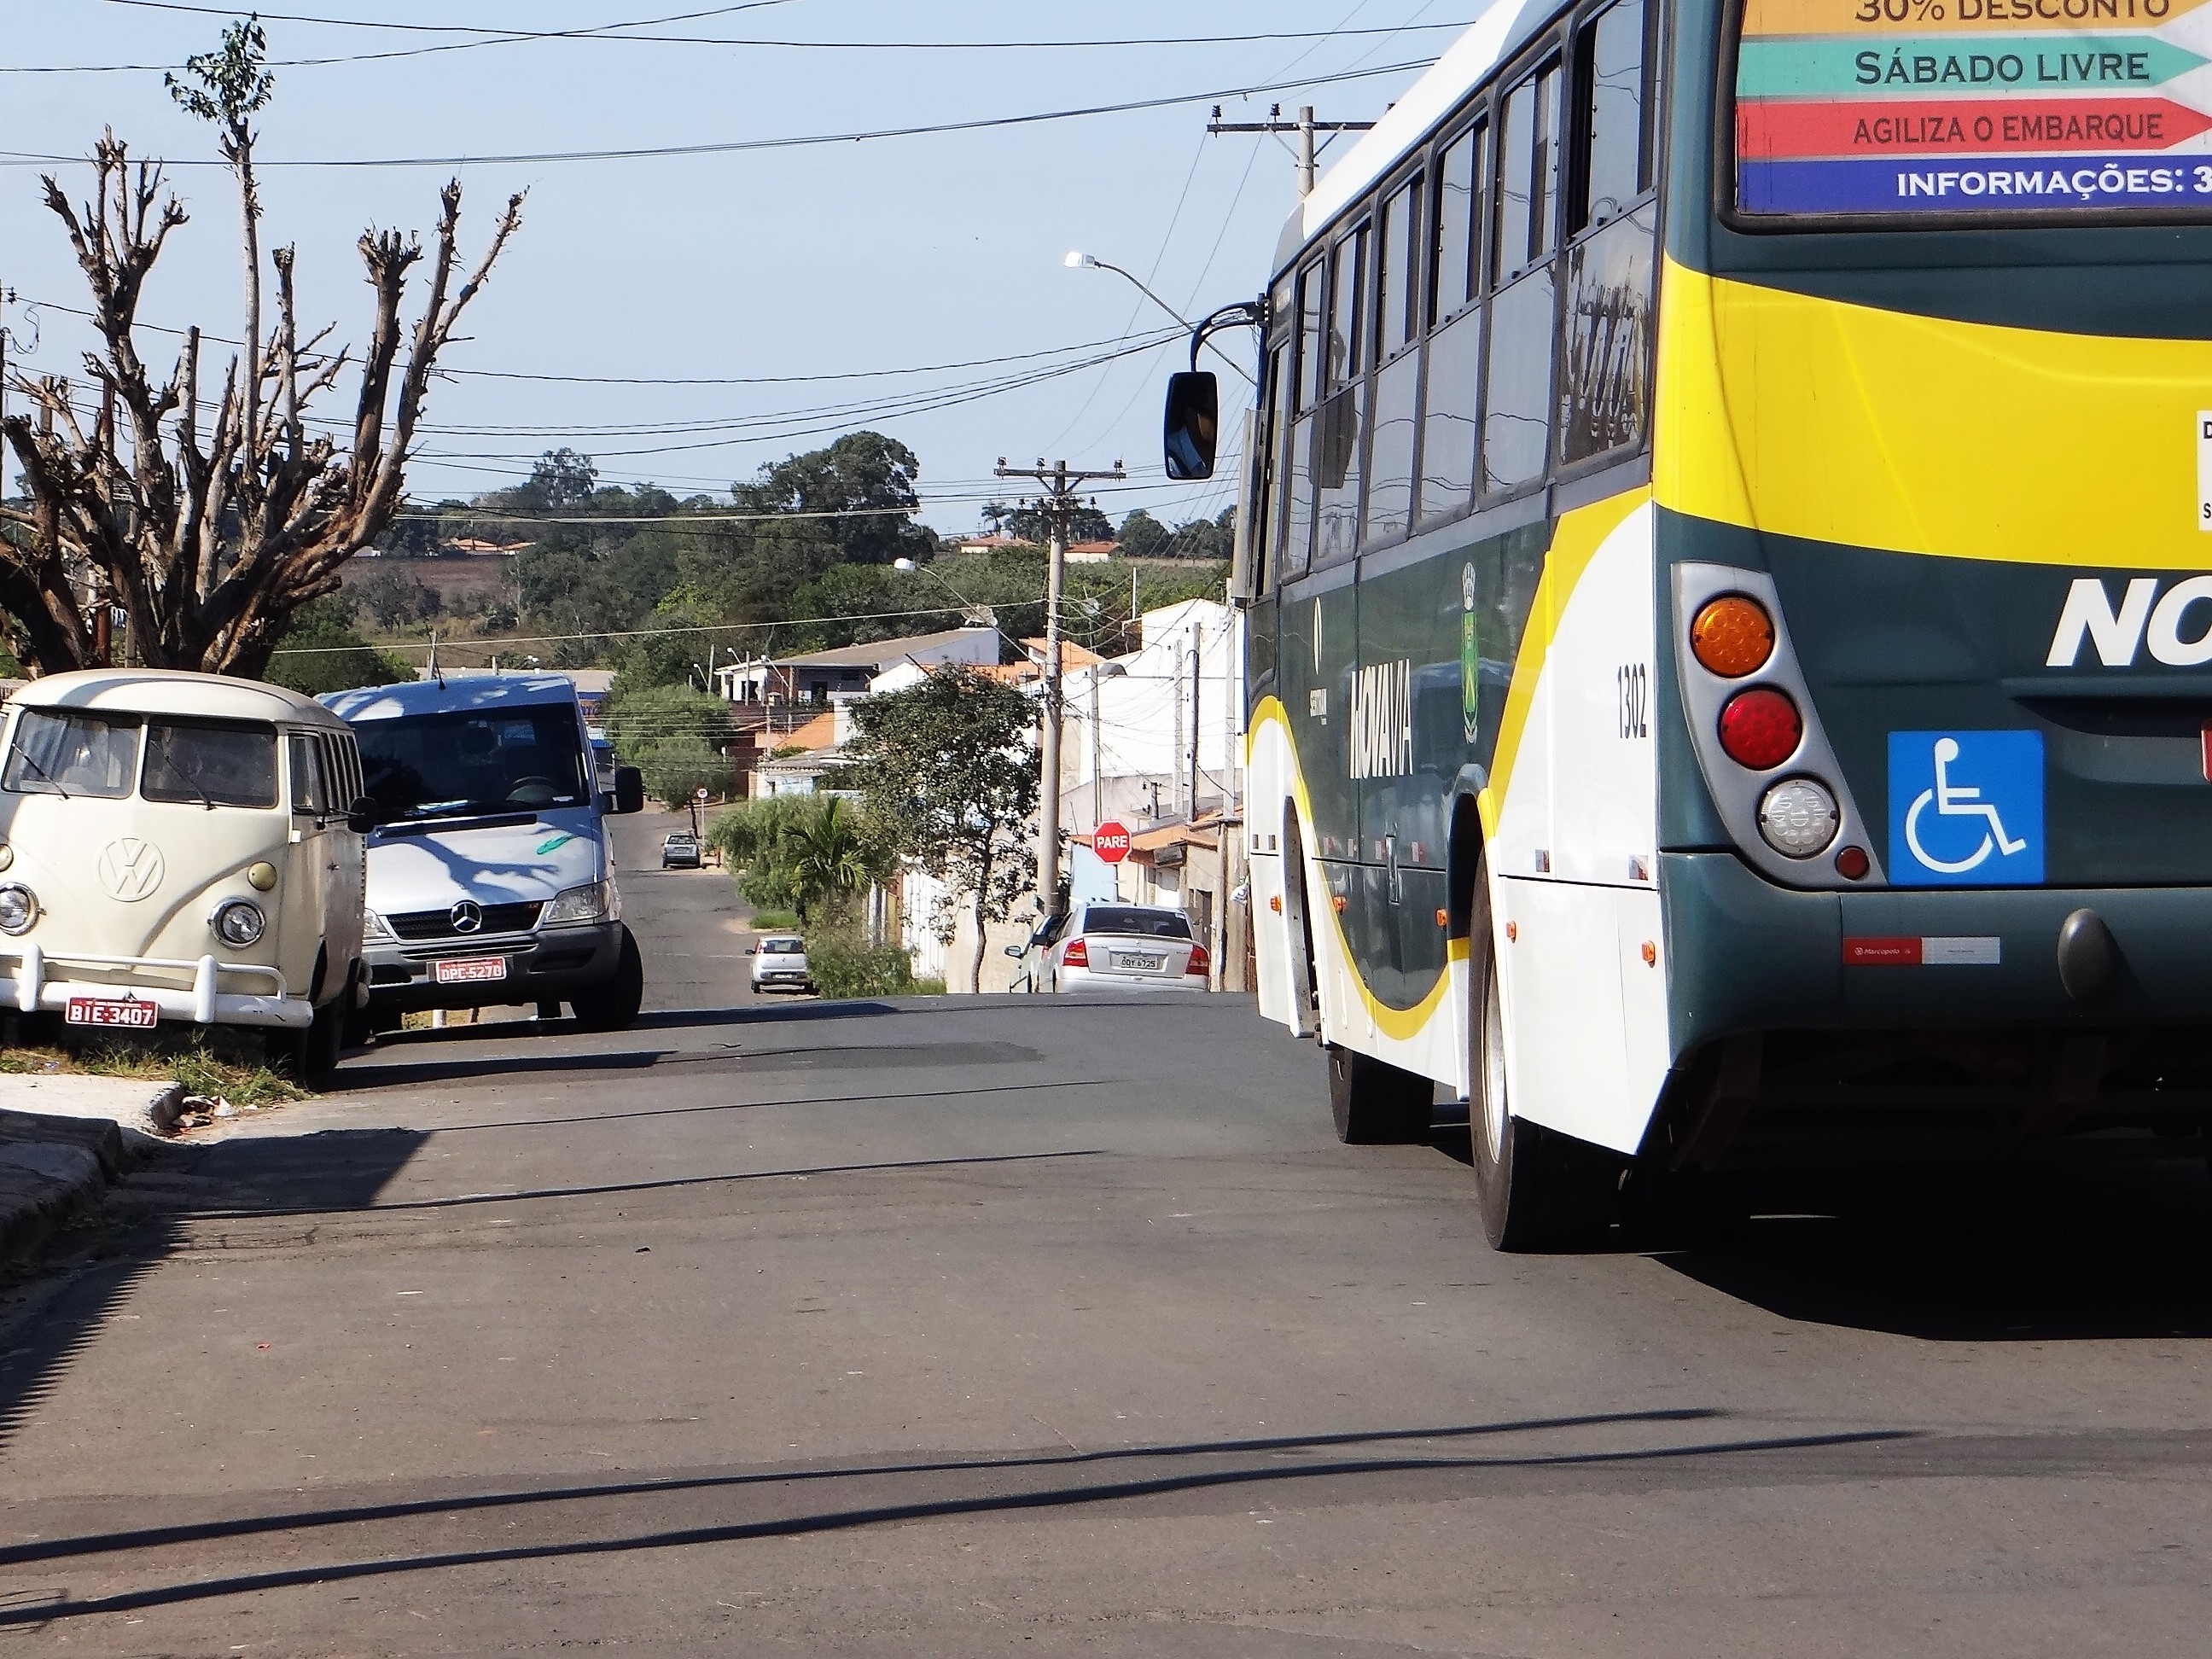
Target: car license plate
column 1133, row 959
column 127, row 1013
column 472, row 971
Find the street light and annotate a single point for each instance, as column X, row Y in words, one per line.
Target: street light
column 1081, row 261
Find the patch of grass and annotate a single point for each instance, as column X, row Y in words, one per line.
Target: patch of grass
column 925, row 988
column 775, row 921
column 231, row 1064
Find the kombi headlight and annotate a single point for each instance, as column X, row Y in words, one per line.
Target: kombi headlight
column 375, row 930
column 238, row 923
column 19, row 909
column 579, row 904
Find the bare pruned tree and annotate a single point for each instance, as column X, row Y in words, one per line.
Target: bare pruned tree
column 211, row 521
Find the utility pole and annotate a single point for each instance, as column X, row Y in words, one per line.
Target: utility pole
column 1307, row 155
column 1197, row 667
column 1098, row 784
column 1185, row 813
column 1059, row 505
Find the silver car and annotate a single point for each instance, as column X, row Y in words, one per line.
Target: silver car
column 779, row 963
column 1122, row 947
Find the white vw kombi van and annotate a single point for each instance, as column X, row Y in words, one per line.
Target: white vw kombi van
column 181, row 848
column 490, row 878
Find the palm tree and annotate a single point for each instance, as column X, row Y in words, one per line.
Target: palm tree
column 827, row 855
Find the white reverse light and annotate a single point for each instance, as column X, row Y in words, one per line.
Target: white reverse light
column 1798, row 817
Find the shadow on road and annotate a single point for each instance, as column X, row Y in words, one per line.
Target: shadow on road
column 1979, row 1255
column 63, row 1310
column 874, row 1495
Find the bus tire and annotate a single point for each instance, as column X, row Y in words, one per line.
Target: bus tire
column 1374, row 1103
column 613, row 1005
column 1537, row 1188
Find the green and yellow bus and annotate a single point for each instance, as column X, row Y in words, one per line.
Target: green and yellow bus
column 1727, row 530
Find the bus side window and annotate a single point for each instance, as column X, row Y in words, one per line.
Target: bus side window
column 1447, row 412
column 1517, row 421
column 1298, row 487
column 1339, row 429
column 1268, row 509
column 1398, row 371
column 1605, row 371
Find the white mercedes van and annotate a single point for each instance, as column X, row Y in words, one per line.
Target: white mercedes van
column 490, row 877
column 181, row 848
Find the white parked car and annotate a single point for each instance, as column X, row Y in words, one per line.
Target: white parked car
column 1117, row 947
column 182, row 848
column 490, row 877
column 779, row 963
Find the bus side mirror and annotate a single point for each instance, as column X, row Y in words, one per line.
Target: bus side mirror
column 361, row 817
column 629, row 789
column 1193, row 424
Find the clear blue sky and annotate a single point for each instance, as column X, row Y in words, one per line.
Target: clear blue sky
column 807, row 261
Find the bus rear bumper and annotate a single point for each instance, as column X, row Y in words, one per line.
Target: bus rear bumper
column 1806, row 1026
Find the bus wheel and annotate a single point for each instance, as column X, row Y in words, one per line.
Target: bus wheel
column 1537, row 1189
column 613, row 1005
column 1373, row 1102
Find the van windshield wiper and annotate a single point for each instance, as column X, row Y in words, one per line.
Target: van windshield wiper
column 16, row 748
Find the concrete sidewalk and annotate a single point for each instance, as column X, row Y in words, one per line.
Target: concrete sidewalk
column 63, row 1141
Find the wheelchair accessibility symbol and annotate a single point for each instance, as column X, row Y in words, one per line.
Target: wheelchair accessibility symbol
column 1966, row 809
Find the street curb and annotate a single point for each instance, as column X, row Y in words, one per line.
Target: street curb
column 43, row 1186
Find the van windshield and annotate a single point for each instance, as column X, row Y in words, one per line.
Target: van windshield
column 55, row 753
column 210, row 765
column 470, row 762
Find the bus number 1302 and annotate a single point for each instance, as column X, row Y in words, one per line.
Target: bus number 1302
column 1634, row 682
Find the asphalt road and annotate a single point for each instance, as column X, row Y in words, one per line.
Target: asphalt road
column 949, row 1328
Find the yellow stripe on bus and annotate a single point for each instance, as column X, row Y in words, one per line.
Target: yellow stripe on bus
column 1400, row 1025
column 1843, row 423
column 1575, row 541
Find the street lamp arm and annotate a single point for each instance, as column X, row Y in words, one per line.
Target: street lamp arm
column 1093, row 262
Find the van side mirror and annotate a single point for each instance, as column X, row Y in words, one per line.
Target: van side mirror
column 629, row 789
column 361, row 817
column 1192, row 427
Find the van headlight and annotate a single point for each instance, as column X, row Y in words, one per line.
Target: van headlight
column 19, row 909
column 375, row 930
column 579, row 904
column 238, row 923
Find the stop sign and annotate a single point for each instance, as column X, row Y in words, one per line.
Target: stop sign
column 1111, row 842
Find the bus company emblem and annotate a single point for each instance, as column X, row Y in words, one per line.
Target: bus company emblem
column 1470, row 662
column 130, row 868
column 1383, row 720
column 2142, row 616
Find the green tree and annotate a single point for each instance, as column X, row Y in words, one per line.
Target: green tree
column 1025, row 523
column 678, row 738
column 319, row 653
column 948, row 766
column 394, row 597
column 806, row 853
column 1143, row 536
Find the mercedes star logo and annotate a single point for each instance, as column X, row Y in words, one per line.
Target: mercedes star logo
column 467, row 916
column 130, row 868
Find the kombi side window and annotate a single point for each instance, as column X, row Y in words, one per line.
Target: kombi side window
column 56, row 753
column 212, row 765
column 311, row 790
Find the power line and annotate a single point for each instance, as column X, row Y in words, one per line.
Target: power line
column 740, row 146
column 605, row 33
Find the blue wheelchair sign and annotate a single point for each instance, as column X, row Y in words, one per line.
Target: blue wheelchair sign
column 1966, row 809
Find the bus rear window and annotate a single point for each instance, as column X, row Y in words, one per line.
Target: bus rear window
column 1851, row 108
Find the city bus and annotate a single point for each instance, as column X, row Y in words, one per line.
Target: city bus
column 1727, row 532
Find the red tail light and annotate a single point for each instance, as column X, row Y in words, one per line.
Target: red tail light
column 1761, row 729
column 1079, row 954
column 1200, row 961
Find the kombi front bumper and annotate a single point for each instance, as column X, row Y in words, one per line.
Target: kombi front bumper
column 44, row 983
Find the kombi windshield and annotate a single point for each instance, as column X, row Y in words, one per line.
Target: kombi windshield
column 470, row 762
column 70, row 753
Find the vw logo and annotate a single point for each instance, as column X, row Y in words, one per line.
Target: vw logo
column 130, row 868
column 467, row 916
